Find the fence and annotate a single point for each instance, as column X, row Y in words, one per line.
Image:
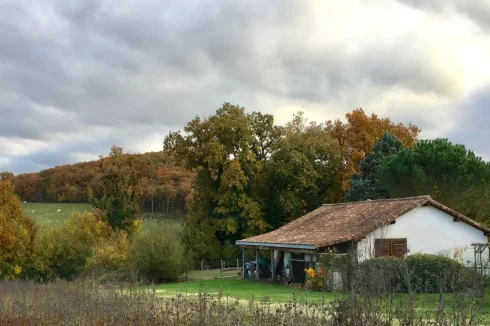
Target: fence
column 221, row 264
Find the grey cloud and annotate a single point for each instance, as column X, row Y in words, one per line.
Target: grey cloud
column 473, row 127
column 71, row 68
column 477, row 11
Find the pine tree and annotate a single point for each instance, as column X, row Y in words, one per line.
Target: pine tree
column 365, row 185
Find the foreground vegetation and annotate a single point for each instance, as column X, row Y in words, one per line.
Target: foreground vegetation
column 77, row 303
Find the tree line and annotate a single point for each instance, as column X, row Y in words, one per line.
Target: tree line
column 233, row 174
column 253, row 176
column 161, row 185
column 236, row 174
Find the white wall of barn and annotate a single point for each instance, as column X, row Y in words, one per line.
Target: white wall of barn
column 428, row 230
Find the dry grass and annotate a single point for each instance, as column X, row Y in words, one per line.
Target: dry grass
column 84, row 303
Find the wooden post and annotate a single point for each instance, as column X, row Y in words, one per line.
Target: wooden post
column 202, row 264
column 257, row 263
column 237, row 264
column 273, row 266
column 244, row 264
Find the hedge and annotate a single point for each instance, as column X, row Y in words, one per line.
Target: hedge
column 419, row 272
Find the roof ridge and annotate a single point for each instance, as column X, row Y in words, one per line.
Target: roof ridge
column 382, row 200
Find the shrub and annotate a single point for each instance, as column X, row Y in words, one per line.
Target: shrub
column 315, row 280
column 431, row 273
column 158, row 254
column 419, row 272
column 381, row 274
column 62, row 250
column 109, row 255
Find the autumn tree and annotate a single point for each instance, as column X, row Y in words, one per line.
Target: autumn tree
column 28, row 186
column 6, row 175
column 228, row 151
column 365, row 184
column 303, row 170
column 450, row 173
column 121, row 177
column 359, row 134
column 17, row 233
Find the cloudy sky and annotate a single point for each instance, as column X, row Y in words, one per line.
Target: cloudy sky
column 79, row 76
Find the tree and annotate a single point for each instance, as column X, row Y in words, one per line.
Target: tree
column 121, row 176
column 303, row 171
column 359, row 134
column 227, row 145
column 17, row 233
column 5, row 175
column 168, row 193
column 449, row 173
column 365, row 184
column 28, row 186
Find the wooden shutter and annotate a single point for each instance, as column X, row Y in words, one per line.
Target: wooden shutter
column 382, row 247
column 390, row 247
column 398, row 247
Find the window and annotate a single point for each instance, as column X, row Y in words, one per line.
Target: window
column 390, row 247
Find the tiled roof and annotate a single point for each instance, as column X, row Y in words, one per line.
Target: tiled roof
column 337, row 223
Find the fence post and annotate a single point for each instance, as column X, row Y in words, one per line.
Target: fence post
column 202, row 264
column 221, row 264
column 237, row 264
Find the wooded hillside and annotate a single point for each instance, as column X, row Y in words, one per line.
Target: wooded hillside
column 164, row 186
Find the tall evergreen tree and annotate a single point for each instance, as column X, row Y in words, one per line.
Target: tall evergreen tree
column 365, row 184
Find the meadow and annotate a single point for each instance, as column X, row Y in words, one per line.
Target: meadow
column 44, row 213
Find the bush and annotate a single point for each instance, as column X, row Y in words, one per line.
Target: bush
column 62, row 250
column 431, row 273
column 315, row 280
column 109, row 255
column 419, row 272
column 158, row 254
column 383, row 274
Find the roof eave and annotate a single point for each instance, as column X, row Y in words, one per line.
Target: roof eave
column 275, row 245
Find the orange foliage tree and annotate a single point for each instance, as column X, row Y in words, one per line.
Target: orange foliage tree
column 359, row 134
column 17, row 233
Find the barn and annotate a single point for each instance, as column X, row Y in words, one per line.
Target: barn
column 367, row 229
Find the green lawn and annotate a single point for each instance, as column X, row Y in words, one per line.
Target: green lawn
column 245, row 290
column 212, row 274
column 43, row 213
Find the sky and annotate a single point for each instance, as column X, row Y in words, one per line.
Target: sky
column 77, row 77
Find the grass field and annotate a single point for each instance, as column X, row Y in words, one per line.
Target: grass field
column 212, row 274
column 43, row 213
column 244, row 290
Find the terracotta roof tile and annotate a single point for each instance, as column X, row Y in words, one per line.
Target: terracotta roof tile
column 336, row 223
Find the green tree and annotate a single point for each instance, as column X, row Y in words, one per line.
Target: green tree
column 304, row 170
column 449, row 173
column 157, row 254
column 228, row 150
column 121, row 178
column 365, row 184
